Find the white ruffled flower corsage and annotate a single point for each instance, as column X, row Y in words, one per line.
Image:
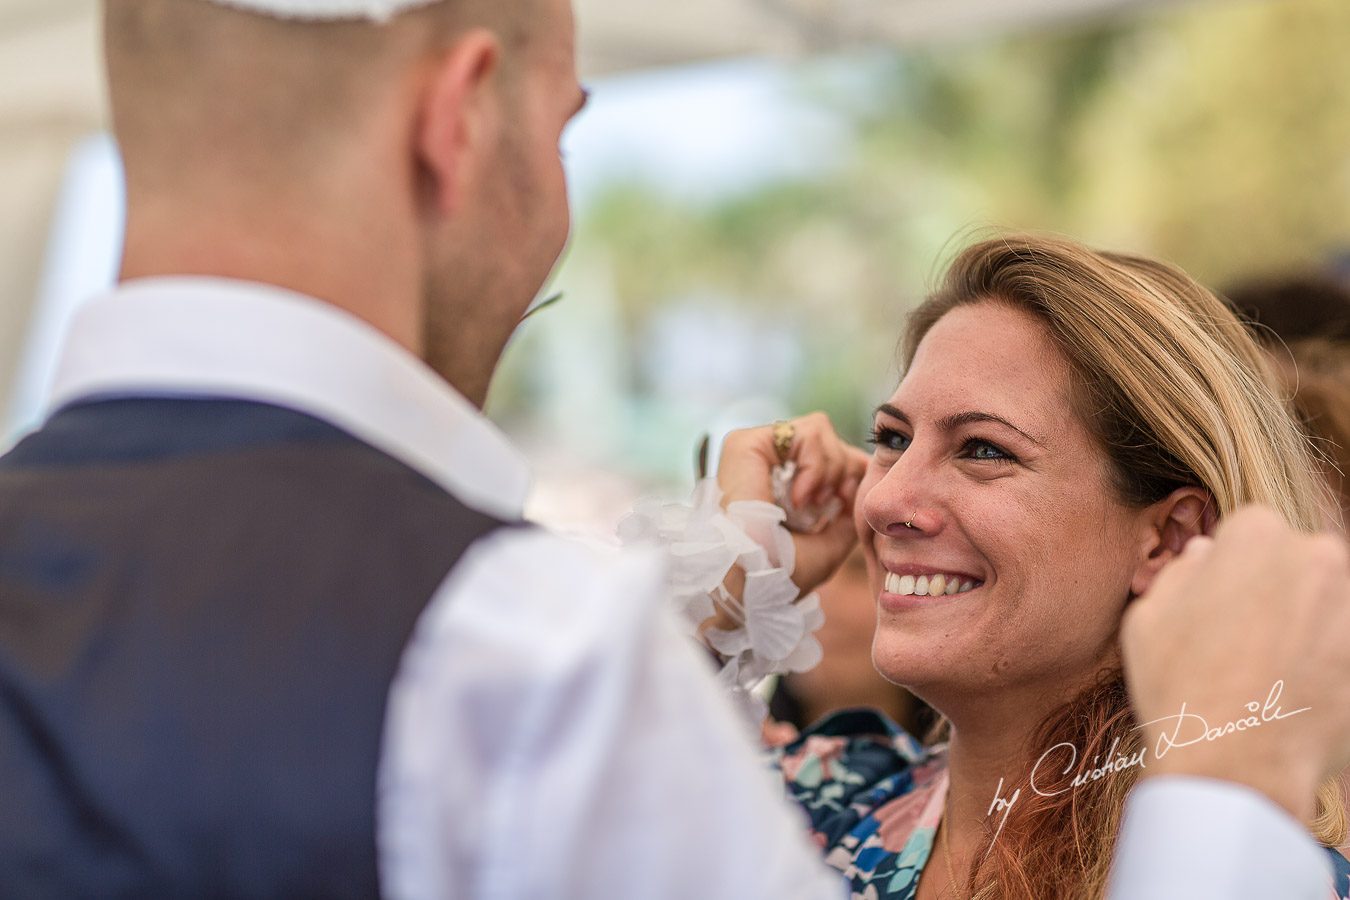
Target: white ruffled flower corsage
column 774, row 632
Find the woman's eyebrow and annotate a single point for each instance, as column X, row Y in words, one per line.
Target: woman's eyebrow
column 948, row 423
column 892, row 411
column 956, row 420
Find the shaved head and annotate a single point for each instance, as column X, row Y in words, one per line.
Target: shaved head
column 190, row 79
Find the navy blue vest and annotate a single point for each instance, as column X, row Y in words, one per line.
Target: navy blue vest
column 202, row 606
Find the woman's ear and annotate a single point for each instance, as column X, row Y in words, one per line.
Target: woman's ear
column 1171, row 522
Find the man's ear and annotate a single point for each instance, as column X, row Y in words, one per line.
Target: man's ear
column 1171, row 522
column 458, row 118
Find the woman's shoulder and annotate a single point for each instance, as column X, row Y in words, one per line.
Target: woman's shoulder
column 850, row 765
column 1340, row 873
column 874, row 795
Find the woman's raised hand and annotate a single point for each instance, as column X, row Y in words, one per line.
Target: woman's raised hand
column 827, row 468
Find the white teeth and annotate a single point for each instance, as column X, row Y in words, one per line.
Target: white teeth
column 926, row 585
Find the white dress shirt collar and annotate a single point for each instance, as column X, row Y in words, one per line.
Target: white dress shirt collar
column 194, row 336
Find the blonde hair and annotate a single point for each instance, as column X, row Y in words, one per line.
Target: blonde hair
column 1175, row 392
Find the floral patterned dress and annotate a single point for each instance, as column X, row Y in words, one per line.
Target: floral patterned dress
column 875, row 797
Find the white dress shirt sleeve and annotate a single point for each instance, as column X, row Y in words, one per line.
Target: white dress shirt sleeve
column 551, row 735
column 1188, row 838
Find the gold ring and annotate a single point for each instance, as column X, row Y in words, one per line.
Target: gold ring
column 783, row 435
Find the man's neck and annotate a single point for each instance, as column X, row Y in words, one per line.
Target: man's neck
column 356, row 269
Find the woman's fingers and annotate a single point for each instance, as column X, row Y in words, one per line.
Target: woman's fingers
column 855, row 463
column 748, row 458
column 821, row 457
column 824, row 462
column 827, row 467
column 820, row 554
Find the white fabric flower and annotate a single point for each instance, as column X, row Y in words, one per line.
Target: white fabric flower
column 762, row 523
column 702, row 542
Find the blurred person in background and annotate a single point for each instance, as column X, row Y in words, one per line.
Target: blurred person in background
column 1316, row 374
column 269, row 624
column 1304, row 324
column 1295, row 307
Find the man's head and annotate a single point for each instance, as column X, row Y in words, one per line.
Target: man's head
column 407, row 171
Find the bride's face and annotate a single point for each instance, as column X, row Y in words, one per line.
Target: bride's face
column 979, row 450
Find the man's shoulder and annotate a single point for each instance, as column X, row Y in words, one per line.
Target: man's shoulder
column 249, row 486
column 242, row 447
column 530, row 611
column 531, row 626
column 577, row 586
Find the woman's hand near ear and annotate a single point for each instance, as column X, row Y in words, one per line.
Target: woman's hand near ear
column 1246, row 628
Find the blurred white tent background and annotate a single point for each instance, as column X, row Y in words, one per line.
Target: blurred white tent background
column 52, row 106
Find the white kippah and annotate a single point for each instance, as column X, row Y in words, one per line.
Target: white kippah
column 328, row 10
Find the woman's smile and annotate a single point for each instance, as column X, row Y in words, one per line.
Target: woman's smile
column 913, row 585
column 897, row 598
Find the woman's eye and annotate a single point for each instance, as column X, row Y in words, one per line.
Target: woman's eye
column 888, row 439
column 983, row 450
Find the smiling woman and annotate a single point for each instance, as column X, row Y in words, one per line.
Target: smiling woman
column 1067, row 421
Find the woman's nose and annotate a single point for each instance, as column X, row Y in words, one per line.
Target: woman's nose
column 902, row 502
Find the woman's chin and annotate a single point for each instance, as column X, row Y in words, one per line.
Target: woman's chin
column 931, row 665
column 913, row 666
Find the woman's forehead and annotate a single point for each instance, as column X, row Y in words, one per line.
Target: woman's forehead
column 992, row 358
